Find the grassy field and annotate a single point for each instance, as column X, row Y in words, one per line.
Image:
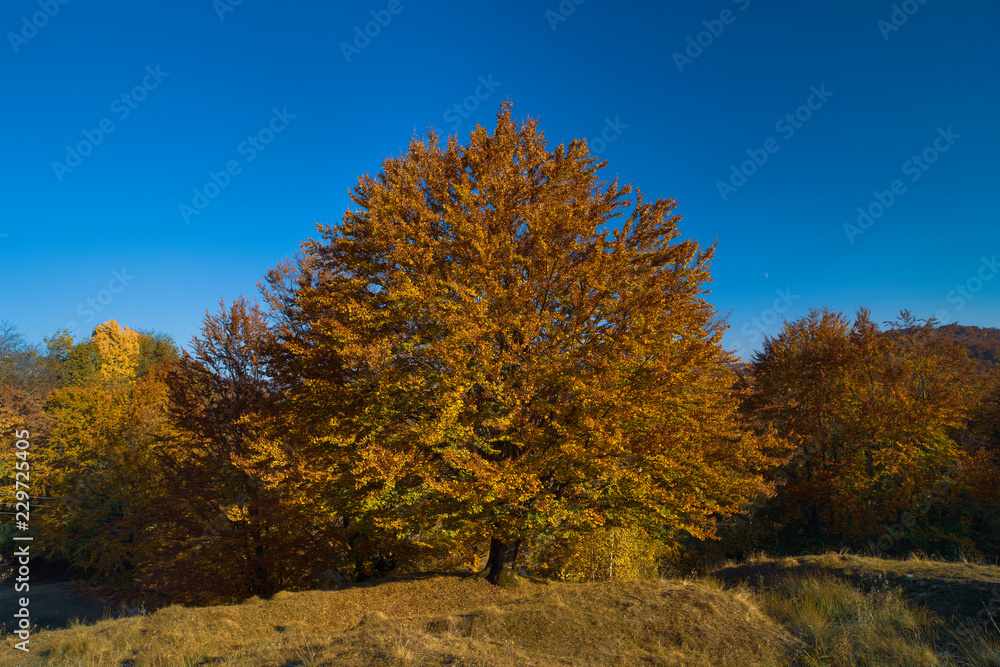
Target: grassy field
column 813, row 610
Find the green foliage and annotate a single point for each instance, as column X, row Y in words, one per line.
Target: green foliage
column 77, row 366
column 156, row 350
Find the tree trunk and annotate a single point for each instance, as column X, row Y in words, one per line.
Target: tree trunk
column 502, row 561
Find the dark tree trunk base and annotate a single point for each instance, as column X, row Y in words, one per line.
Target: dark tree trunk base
column 499, row 569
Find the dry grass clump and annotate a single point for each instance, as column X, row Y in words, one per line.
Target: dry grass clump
column 846, row 627
column 864, row 610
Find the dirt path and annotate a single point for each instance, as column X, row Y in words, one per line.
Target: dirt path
column 51, row 605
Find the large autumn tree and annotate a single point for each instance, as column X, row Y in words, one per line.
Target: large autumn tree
column 495, row 344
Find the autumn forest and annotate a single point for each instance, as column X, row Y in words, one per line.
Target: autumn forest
column 500, row 362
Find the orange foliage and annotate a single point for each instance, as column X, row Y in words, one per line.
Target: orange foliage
column 474, row 353
column 871, row 414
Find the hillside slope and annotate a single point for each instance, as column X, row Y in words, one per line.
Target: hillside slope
column 438, row 620
column 983, row 343
column 831, row 609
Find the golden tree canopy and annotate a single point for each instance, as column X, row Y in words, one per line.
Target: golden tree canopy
column 496, row 341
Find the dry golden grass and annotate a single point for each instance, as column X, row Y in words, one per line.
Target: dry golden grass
column 846, row 627
column 814, row 610
column 954, row 591
column 856, row 610
column 441, row 620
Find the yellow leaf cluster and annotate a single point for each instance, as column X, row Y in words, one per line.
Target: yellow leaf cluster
column 119, row 350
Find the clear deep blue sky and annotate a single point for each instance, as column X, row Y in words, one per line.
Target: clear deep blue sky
column 676, row 126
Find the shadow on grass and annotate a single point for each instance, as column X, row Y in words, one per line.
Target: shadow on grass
column 51, row 606
column 955, row 592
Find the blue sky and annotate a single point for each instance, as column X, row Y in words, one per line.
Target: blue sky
column 770, row 123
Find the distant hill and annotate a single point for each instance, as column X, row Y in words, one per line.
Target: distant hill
column 983, row 343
